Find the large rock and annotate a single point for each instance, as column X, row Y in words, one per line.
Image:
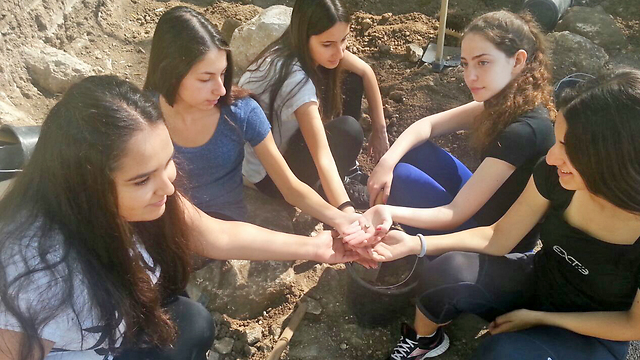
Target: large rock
column 274, row 214
column 251, row 38
column 47, row 15
column 9, row 114
column 594, row 24
column 573, row 53
column 54, row 70
column 245, row 289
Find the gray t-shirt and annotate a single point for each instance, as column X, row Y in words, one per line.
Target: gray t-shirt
column 301, row 90
column 75, row 334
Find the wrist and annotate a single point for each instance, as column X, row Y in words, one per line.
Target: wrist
column 423, row 245
column 386, row 162
column 349, row 210
column 379, row 127
column 347, row 205
column 416, row 245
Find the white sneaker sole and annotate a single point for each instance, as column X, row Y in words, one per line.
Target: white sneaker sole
column 439, row 350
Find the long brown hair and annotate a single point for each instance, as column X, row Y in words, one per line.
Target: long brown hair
column 531, row 88
column 181, row 39
column 309, row 18
column 603, row 120
column 60, row 220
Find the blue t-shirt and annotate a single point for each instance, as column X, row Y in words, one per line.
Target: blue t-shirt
column 213, row 172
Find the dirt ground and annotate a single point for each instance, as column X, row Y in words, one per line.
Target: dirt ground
column 117, row 40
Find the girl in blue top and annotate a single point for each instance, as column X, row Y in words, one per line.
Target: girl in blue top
column 190, row 67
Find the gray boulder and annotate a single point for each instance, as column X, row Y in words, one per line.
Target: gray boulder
column 244, row 289
column 250, row 39
column 54, row 70
column 573, row 53
column 9, row 114
column 594, row 24
column 414, row 52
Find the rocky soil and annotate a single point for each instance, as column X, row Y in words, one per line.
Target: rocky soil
column 46, row 45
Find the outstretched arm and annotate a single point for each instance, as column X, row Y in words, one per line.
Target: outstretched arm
column 422, row 130
column 224, row 240
column 312, row 129
column 484, row 183
column 379, row 141
column 610, row 325
column 497, row 239
column 299, row 194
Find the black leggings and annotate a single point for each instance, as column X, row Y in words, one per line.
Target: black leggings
column 196, row 331
column 489, row 286
column 344, row 135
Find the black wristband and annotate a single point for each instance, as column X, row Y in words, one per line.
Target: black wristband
column 345, row 204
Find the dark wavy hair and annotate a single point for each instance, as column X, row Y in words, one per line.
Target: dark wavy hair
column 531, row 88
column 603, row 123
column 309, row 18
column 65, row 203
column 182, row 38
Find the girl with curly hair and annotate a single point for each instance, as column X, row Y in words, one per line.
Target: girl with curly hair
column 579, row 296
column 507, row 70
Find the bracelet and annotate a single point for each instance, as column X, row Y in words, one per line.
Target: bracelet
column 346, row 204
column 423, row 245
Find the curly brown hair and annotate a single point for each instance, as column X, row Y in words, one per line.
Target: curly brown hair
column 531, row 88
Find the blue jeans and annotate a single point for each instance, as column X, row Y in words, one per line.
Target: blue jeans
column 196, row 332
column 489, row 286
column 426, row 177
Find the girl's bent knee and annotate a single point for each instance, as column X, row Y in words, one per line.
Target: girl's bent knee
column 349, row 127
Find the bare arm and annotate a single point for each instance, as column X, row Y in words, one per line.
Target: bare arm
column 446, row 122
column 379, row 141
column 497, row 239
column 484, row 183
column 224, row 240
column 312, row 129
column 10, row 345
column 610, row 325
column 300, row 194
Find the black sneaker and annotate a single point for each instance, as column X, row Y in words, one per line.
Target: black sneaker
column 411, row 348
column 356, row 175
column 358, row 194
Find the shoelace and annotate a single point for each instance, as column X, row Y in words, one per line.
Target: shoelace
column 403, row 348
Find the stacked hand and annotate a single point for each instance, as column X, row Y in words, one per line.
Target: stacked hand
column 370, row 238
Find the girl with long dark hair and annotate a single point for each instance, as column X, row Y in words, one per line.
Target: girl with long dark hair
column 211, row 122
column 95, row 242
column 576, row 298
column 311, row 89
column 507, row 70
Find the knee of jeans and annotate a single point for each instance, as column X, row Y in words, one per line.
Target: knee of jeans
column 198, row 327
column 351, row 128
column 501, row 346
column 450, row 269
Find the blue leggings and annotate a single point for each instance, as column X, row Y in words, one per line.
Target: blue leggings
column 426, row 177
